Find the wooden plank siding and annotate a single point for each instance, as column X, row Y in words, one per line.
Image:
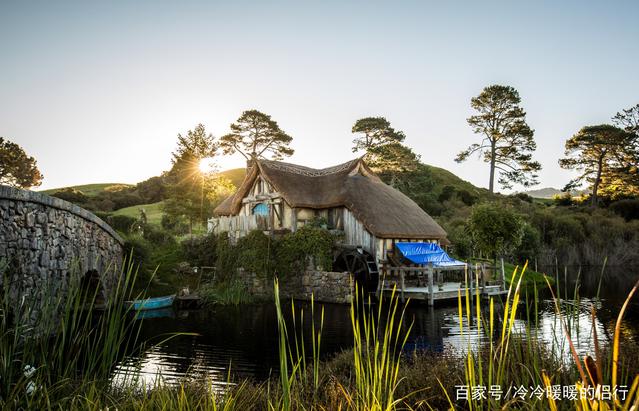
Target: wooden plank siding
column 356, row 234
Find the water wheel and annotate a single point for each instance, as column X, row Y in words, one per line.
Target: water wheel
column 362, row 267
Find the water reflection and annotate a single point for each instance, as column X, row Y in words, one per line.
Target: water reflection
column 243, row 340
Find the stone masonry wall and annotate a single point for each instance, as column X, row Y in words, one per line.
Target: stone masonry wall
column 45, row 242
column 328, row 287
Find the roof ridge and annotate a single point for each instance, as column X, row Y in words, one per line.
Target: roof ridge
column 308, row 171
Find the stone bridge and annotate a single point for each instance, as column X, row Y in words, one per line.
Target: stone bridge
column 46, row 243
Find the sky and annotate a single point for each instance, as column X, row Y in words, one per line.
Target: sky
column 98, row 91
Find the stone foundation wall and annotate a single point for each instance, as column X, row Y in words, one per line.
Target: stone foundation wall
column 325, row 286
column 47, row 243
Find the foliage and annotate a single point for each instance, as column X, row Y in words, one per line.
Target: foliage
column 530, row 244
column 495, row 230
column 628, row 209
column 628, row 119
column 201, row 251
column 71, row 195
column 605, row 156
column 256, row 135
column 121, row 223
column 231, row 292
column 17, row 169
column 507, row 142
column 151, row 190
column 563, row 200
column 294, row 250
column 175, row 224
column 375, row 132
column 254, row 253
column 157, row 236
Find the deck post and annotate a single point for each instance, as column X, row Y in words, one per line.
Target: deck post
column 401, row 283
column 483, row 279
column 431, row 297
column 503, row 274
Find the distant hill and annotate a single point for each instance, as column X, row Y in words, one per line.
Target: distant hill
column 550, row 192
column 91, row 190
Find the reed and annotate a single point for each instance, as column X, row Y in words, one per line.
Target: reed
column 50, row 341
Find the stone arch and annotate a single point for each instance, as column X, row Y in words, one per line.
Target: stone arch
column 91, row 287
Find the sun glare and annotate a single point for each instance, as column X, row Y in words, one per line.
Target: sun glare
column 207, row 165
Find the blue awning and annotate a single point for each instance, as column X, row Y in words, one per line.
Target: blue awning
column 424, row 253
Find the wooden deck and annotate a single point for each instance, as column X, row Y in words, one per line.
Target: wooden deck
column 477, row 281
column 448, row 291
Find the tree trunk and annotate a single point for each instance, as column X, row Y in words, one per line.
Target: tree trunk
column 491, row 183
column 595, row 187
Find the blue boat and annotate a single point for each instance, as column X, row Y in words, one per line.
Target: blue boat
column 152, row 303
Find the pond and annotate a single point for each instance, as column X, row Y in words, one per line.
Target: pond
column 243, row 340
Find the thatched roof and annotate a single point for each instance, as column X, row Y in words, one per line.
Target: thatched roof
column 384, row 211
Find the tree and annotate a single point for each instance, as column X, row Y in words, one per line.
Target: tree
column 191, row 192
column 391, row 161
column 376, row 131
column 507, row 142
column 602, row 154
column 495, row 230
column 395, row 163
column 254, row 135
column 17, row 169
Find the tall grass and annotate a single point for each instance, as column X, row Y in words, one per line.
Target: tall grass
column 515, row 358
column 378, row 340
column 51, row 341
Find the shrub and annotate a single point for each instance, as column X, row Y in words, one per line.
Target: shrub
column 71, row 195
column 137, row 249
column 495, row 230
column 157, row 236
column 201, row 251
column 564, row 199
column 255, row 253
column 628, row 209
column 530, row 244
column 294, row 250
column 121, row 223
column 177, row 225
column 467, row 197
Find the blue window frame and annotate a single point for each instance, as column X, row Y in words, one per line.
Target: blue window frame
column 260, row 209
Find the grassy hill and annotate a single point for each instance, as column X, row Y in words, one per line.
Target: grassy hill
column 443, row 177
column 236, row 175
column 90, row 190
column 153, row 212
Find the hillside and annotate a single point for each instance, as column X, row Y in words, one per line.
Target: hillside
column 153, row 212
column 90, row 190
column 236, row 175
column 443, row 177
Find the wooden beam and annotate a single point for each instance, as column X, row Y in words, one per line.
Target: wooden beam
column 294, row 219
column 402, row 285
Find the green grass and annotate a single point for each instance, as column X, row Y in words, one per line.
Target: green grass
column 153, row 212
column 442, row 177
column 90, row 190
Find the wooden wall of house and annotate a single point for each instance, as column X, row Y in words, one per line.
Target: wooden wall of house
column 356, row 234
